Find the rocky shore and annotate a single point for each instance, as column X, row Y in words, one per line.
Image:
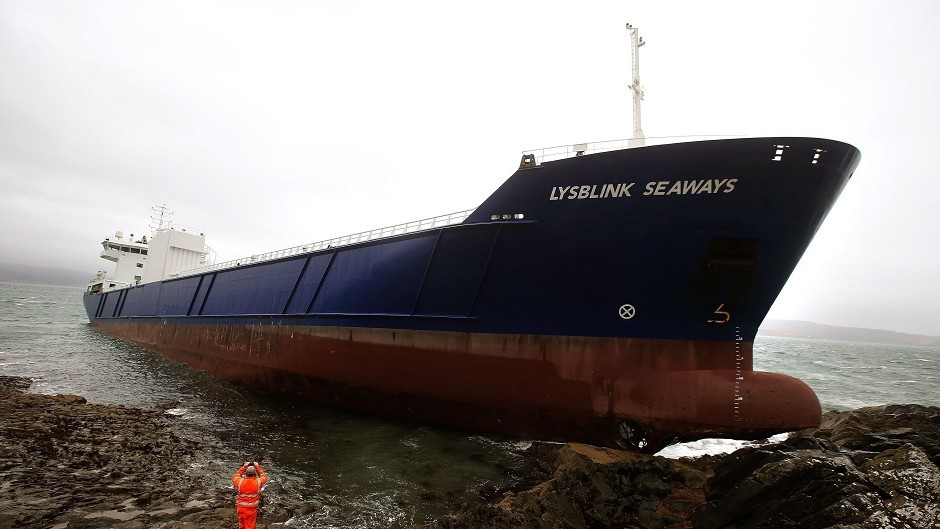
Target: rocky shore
column 67, row 464
column 863, row 469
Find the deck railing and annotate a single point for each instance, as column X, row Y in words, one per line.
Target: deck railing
column 336, row 242
column 561, row 152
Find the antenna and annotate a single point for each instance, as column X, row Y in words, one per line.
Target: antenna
column 160, row 215
column 638, row 139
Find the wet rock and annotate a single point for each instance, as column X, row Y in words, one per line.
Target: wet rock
column 865, row 469
column 875, row 429
column 68, row 464
column 590, row 487
column 15, row 384
column 778, row 486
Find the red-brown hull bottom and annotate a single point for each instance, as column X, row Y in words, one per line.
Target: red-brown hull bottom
column 638, row 393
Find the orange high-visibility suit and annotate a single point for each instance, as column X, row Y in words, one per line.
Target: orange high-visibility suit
column 248, row 495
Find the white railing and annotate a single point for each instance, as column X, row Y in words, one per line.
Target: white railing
column 561, row 152
column 371, row 235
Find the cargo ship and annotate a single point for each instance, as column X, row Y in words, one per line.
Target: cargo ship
column 606, row 293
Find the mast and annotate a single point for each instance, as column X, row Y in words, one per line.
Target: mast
column 160, row 219
column 636, row 41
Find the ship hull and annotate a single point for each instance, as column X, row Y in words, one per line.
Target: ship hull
column 523, row 386
column 610, row 298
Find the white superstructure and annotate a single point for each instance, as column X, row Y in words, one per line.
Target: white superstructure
column 175, row 250
column 131, row 258
column 168, row 252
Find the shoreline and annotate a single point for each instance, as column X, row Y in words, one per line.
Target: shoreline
column 869, row 468
column 69, row 464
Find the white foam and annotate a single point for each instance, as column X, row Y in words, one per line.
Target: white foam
column 710, row 447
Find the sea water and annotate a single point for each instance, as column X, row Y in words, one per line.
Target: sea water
column 358, row 471
column 844, row 375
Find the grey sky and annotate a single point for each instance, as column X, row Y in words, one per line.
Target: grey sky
column 271, row 124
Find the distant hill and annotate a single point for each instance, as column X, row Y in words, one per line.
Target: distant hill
column 40, row 275
column 806, row 329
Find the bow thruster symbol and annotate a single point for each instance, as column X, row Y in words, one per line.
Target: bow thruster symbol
column 627, row 311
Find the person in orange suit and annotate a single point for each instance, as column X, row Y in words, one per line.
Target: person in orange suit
column 249, row 481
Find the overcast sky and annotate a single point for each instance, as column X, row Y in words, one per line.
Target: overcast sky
column 270, row 124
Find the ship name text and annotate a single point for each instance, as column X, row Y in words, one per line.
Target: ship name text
column 655, row 188
column 690, row 187
column 591, row 191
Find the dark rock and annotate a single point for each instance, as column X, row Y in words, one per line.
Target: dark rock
column 871, row 468
column 880, row 428
column 590, row 487
column 861, row 469
column 15, row 384
column 70, row 464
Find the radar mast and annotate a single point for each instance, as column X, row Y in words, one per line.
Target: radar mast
column 160, row 219
column 638, row 139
